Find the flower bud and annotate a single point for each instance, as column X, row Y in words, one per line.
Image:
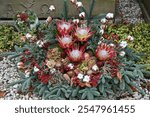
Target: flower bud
column 49, row 20
column 82, row 15
column 52, row 8
column 79, row 4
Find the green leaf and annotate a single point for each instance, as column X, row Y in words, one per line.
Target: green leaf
column 83, row 95
column 116, row 81
column 96, row 93
column 126, row 78
column 122, row 85
column 75, row 92
column 90, row 96
column 101, row 88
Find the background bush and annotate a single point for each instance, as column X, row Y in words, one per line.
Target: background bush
column 141, row 34
column 8, row 38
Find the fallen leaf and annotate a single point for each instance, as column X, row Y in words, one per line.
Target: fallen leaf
column 119, row 75
column 2, row 94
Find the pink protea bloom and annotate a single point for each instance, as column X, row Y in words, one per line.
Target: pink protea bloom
column 76, row 53
column 83, row 34
column 65, row 41
column 64, row 27
column 105, row 52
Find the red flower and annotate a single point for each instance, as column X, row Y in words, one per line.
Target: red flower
column 23, row 16
column 105, row 52
column 75, row 53
column 44, row 78
column 64, row 27
column 94, row 79
column 83, row 34
column 65, row 41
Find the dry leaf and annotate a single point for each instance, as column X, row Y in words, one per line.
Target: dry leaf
column 119, row 75
column 2, row 94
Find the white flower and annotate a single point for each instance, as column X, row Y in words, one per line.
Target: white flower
column 79, row 4
column 76, row 21
column 123, row 44
column 103, row 26
column 82, row 15
column 99, row 42
column 40, row 43
column 130, row 38
column 122, row 53
column 27, row 73
column 70, row 65
column 110, row 15
column 35, row 69
column 49, row 19
column 52, row 70
column 52, row 8
column 73, row 1
column 28, row 35
column 86, row 78
column 101, row 31
column 112, row 45
column 80, row 76
column 95, row 68
column 104, row 20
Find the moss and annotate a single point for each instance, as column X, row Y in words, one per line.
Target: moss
column 8, row 38
column 141, row 34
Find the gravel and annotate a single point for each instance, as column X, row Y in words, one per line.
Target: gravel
column 128, row 11
column 8, row 74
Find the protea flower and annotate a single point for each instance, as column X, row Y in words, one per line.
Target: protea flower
column 76, row 53
column 105, row 52
column 83, row 34
column 65, row 41
column 64, row 27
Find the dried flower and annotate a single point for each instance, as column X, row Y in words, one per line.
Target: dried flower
column 52, row 8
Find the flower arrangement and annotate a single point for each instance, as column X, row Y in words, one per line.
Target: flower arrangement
column 70, row 58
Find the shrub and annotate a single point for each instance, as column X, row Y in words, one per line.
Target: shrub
column 8, row 38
